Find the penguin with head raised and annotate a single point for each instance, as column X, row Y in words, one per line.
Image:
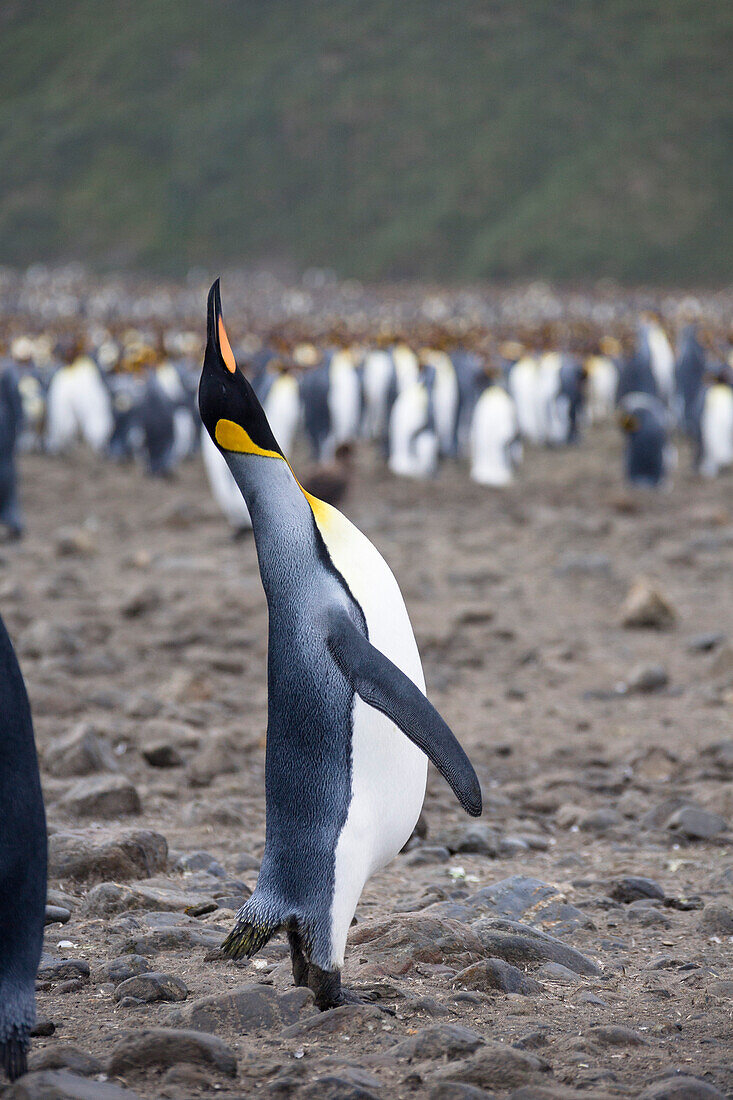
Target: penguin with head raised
column 22, row 864
column 349, row 728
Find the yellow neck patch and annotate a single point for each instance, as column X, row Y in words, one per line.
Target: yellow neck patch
column 232, row 437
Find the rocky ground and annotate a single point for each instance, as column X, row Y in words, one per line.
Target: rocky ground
column 576, row 939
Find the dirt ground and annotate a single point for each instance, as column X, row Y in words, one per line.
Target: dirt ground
column 136, row 615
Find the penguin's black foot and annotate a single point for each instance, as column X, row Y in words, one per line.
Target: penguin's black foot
column 329, row 993
column 301, row 969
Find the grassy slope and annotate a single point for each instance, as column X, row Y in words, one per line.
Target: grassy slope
column 455, row 140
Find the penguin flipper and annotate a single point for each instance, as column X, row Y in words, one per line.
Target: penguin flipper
column 386, row 688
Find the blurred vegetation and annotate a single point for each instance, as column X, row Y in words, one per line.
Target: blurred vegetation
column 384, row 138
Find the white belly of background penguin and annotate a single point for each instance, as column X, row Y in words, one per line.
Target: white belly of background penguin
column 349, row 727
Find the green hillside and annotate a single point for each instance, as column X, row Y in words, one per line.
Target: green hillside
column 445, row 139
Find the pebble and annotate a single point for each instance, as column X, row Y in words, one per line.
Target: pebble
column 574, row 564
column 512, row 897
column 495, row 1066
column 348, row 1019
column 128, row 855
column 54, row 970
column 62, row 1056
column 681, row 1087
column 200, row 861
column 102, row 796
column 165, row 1047
column 497, row 974
column 162, row 755
column 705, row 643
column 613, row 1035
column 627, row 890
column 57, row 914
column 49, row 1084
column 457, row 1090
column 717, row 920
column 403, row 940
column 644, row 679
column 438, row 1041
column 645, row 606
column 80, row 752
column 142, row 933
column 694, row 823
column 426, row 854
column 126, row 966
column 245, row 861
column 152, row 986
column 248, row 1008
column 152, row 895
column 524, row 946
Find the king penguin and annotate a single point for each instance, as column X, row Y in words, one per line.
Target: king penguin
column 22, row 864
column 349, row 730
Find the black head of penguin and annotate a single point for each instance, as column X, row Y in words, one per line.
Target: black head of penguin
column 230, row 410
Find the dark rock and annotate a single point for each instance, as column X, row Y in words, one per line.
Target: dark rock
column 561, row 918
column 249, row 1008
column 149, row 933
column 333, row 1087
column 717, row 920
column 401, row 941
column 438, row 1041
column 126, row 966
column 425, row 854
column 103, row 796
column 246, row 862
column 681, row 1087
column 599, row 820
column 658, row 816
column 694, row 823
column 64, row 1057
column 512, row 897
column 613, row 1035
column 644, row 679
column 152, row 986
column 50, row 1084
column 159, row 895
column 705, row 643
column 168, row 1047
column 43, row 1028
column 496, row 974
column 129, row 855
column 495, row 1066
column 478, row 839
column 200, row 861
column 56, row 914
column 631, row 889
column 162, row 755
column 336, row 1021
column 457, row 1090
column 53, row 970
column 78, row 753
column 525, row 946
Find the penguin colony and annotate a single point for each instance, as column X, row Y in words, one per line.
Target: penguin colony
column 134, row 398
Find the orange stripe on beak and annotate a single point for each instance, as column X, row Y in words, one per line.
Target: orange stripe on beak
column 226, row 349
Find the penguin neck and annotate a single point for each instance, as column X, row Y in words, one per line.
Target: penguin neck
column 282, row 519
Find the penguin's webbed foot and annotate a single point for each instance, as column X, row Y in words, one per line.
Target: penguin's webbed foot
column 329, row 993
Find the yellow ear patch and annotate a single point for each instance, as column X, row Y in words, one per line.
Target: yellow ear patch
column 226, row 349
column 232, row 437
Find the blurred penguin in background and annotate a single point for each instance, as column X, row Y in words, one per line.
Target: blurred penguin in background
column 11, row 421
column 445, row 399
column 471, row 382
column 647, row 455
column 224, row 488
column 635, row 371
column 525, row 389
column 602, row 381
column 714, row 437
column 496, row 448
column 378, row 374
column 157, row 420
column 661, row 356
column 413, row 441
column 314, row 384
column 689, row 376
column 78, row 402
column 344, row 399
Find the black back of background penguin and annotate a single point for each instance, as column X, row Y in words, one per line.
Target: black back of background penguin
column 22, row 864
